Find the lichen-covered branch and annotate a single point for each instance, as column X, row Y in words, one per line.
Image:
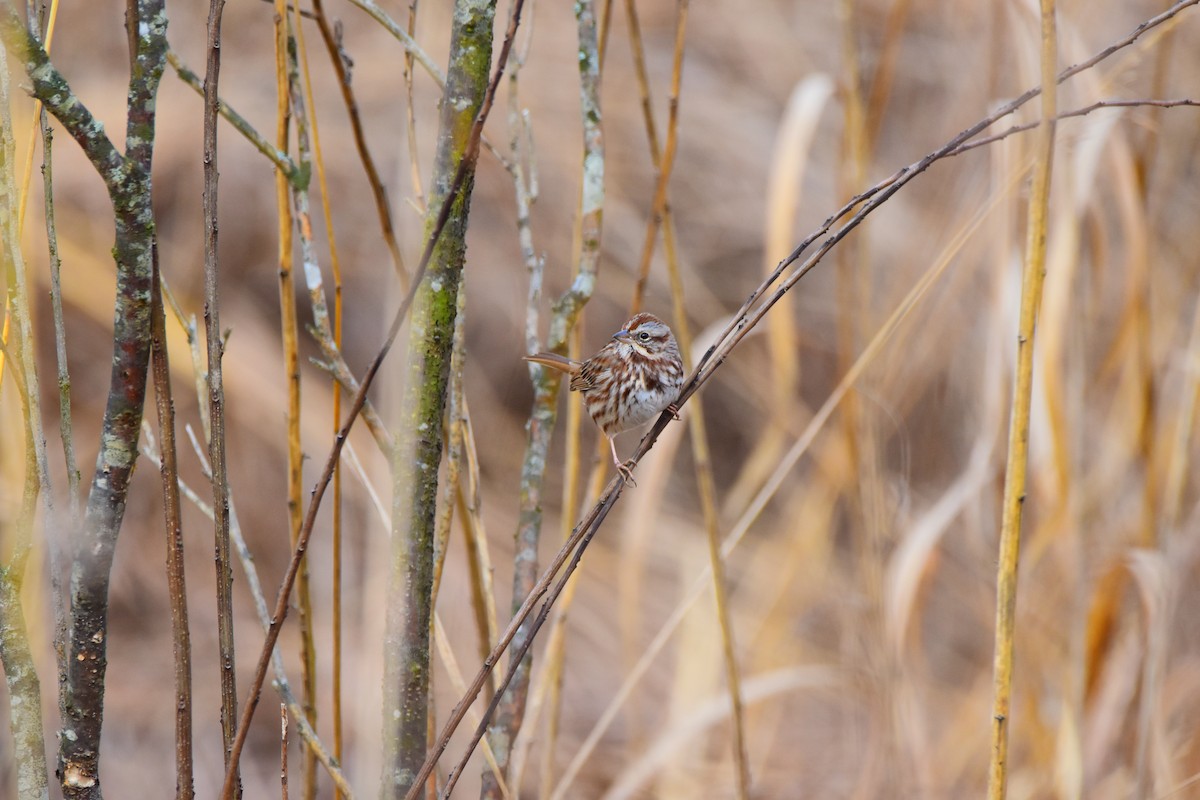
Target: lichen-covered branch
column 51, row 88
column 127, row 178
column 419, row 436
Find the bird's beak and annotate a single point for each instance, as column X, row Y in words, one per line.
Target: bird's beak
column 621, row 336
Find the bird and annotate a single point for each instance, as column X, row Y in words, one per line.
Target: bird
column 635, row 377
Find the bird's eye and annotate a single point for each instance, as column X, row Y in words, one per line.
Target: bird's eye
column 645, row 337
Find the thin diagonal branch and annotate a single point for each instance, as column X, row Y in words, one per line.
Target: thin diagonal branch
column 742, row 322
column 278, row 157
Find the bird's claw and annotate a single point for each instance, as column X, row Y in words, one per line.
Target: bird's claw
column 626, row 471
column 674, row 411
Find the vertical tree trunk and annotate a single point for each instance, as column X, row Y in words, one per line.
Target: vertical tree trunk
column 419, row 432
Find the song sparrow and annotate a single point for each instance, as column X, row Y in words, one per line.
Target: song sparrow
column 633, row 379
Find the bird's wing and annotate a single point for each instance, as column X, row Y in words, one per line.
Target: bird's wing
column 585, row 377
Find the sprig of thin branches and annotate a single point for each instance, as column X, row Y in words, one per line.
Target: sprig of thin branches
column 281, row 605
column 281, row 682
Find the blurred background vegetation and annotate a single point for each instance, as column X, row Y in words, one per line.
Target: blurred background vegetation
column 862, row 584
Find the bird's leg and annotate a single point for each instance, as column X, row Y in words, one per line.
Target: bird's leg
column 626, row 469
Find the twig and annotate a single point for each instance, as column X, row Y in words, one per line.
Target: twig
column 60, row 335
column 410, row 115
column 656, row 152
column 65, row 427
column 278, row 157
column 456, row 683
column 322, row 326
column 283, row 749
column 479, row 563
column 176, row 583
column 1078, row 112
column 855, row 312
column 404, row 37
column 341, row 63
column 574, row 547
column 341, row 66
column 706, row 485
column 453, row 444
column 216, row 386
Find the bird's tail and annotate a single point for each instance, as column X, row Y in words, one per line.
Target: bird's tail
column 555, row 361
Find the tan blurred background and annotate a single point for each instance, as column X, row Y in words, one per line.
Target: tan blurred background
column 863, row 595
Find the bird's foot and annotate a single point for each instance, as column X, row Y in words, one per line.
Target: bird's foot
column 674, row 411
column 626, row 471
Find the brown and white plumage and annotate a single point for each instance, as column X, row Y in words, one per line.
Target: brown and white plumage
column 630, row 381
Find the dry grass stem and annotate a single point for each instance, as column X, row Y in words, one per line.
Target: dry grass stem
column 1032, row 280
